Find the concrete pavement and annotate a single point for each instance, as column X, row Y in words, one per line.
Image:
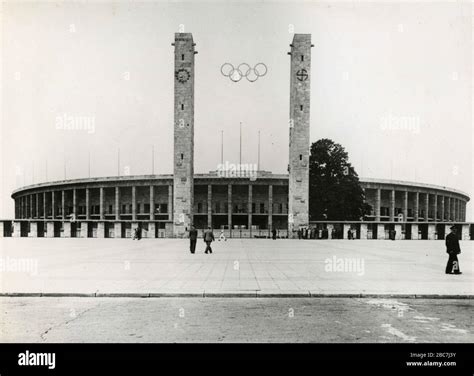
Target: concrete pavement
column 46, row 320
column 245, row 267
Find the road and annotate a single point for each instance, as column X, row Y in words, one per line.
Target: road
column 353, row 320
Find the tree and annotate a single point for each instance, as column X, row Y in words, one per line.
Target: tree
column 334, row 188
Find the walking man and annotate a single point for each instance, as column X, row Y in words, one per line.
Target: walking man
column 453, row 249
column 137, row 234
column 208, row 239
column 193, row 234
column 274, row 234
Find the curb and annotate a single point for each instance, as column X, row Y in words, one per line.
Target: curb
column 284, row 295
column 67, row 295
column 230, row 294
column 121, row 295
column 175, row 295
column 255, row 294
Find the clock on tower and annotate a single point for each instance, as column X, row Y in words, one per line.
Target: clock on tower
column 182, row 75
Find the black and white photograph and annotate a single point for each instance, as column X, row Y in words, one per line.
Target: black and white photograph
column 237, row 173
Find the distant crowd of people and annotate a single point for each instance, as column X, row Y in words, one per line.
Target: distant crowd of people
column 312, row 232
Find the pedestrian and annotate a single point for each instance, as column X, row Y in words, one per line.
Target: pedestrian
column 193, row 234
column 453, row 249
column 300, row 233
column 222, row 236
column 349, row 234
column 306, row 232
column 333, row 233
column 274, row 234
column 208, row 239
column 137, row 233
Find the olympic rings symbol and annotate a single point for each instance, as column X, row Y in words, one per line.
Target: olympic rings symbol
column 244, row 70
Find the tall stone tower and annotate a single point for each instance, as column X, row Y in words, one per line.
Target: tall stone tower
column 298, row 195
column 183, row 183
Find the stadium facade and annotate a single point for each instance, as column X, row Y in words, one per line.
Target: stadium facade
column 240, row 204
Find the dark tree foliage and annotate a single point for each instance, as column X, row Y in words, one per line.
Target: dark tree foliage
column 334, row 189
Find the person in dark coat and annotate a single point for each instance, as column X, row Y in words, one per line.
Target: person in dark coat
column 393, row 234
column 193, row 234
column 274, row 234
column 137, row 234
column 453, row 249
column 208, row 239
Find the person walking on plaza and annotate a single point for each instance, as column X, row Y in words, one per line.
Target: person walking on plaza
column 208, row 239
column 453, row 249
column 137, row 234
column 274, row 234
column 193, row 234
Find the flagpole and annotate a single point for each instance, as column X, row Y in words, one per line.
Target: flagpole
column 258, row 160
column 153, row 159
column 118, row 162
column 240, row 150
column 222, row 147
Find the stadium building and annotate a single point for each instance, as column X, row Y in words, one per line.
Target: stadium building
column 242, row 204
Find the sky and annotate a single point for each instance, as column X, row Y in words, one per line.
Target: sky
column 391, row 82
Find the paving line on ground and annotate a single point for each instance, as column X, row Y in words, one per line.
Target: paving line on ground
column 236, row 294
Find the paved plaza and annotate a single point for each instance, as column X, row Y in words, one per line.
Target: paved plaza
column 46, row 320
column 238, row 267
